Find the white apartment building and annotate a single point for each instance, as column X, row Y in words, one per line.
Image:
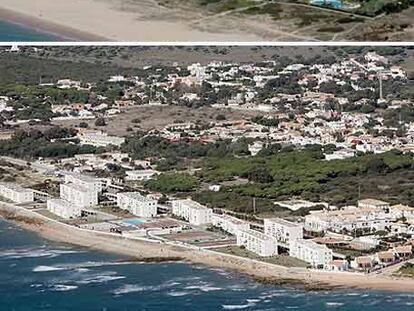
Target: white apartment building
column 141, row 175
column 63, row 208
column 349, row 218
column 78, row 195
column 192, row 211
column 229, row 224
column 84, row 181
column 16, row 193
column 284, row 231
column 257, row 242
column 137, row 204
column 373, row 203
column 319, row 256
column 100, row 139
column 399, row 211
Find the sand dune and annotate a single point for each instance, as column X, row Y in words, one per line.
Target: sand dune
column 113, row 20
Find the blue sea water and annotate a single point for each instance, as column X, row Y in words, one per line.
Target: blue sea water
column 17, row 33
column 36, row 274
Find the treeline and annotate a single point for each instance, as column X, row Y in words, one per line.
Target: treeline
column 35, row 143
column 304, row 173
column 27, row 69
column 377, row 7
column 172, row 155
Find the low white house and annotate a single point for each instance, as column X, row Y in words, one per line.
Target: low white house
column 99, row 139
column 229, row 224
column 63, row 208
column 141, row 175
column 16, row 193
column 319, row 256
column 78, row 195
column 284, row 231
column 192, row 211
column 137, row 204
column 257, row 242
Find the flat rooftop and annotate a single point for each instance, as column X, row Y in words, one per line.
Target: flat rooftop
column 257, row 234
column 135, row 196
column 82, row 177
column 192, row 204
column 76, row 187
column 373, row 202
column 232, row 219
column 283, row 222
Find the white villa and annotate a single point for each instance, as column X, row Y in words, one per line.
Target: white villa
column 99, row 139
column 141, row 175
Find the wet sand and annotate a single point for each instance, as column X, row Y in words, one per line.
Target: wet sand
column 112, row 20
column 142, row 250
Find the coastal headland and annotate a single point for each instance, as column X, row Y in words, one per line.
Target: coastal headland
column 155, row 251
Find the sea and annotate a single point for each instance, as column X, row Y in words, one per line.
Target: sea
column 36, row 274
column 10, row 32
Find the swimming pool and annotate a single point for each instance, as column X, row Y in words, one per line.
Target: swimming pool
column 133, row 221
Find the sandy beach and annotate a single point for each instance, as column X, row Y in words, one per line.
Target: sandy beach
column 112, row 20
column 140, row 249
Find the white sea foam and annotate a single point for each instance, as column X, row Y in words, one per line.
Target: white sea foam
column 334, row 304
column 203, row 288
column 100, row 279
column 238, row 307
column 46, row 268
column 34, row 253
column 353, row 294
column 130, row 288
column 63, row 288
column 178, row 293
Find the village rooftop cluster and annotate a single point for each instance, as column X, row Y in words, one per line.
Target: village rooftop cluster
column 301, row 104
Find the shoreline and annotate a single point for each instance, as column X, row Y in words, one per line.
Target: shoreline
column 144, row 250
column 60, row 32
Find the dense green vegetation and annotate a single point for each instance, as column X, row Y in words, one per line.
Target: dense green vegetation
column 171, row 155
column 377, row 7
column 19, row 68
column 305, row 174
column 171, row 182
column 33, row 144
